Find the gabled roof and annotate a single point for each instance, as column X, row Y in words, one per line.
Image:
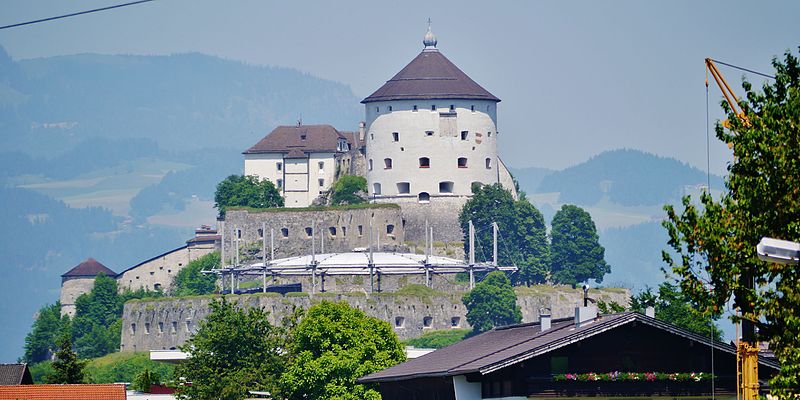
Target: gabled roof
column 15, row 374
column 503, row 347
column 297, row 140
column 63, row 392
column 90, row 267
column 430, row 76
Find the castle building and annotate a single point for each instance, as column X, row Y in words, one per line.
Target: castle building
column 302, row 161
column 80, row 280
column 431, row 133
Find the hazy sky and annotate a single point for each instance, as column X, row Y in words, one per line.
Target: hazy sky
column 576, row 78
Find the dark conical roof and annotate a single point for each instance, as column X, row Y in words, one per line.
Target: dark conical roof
column 430, row 76
column 90, row 267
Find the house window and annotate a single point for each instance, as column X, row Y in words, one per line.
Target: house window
column 189, row 326
column 309, row 231
column 414, row 109
column 403, row 187
column 424, row 197
column 488, row 163
column 472, row 108
column 157, row 287
column 321, row 182
column 489, row 134
column 370, row 164
column 371, row 136
column 464, row 135
column 390, row 229
column 427, row 322
column 321, row 165
column 395, row 137
column 390, row 108
column 452, row 107
column 424, row 162
column 387, row 163
column 462, row 162
column 260, row 233
column 238, row 233
column 285, row 232
column 376, row 188
column 344, row 231
column 455, row 322
column 428, row 133
column 433, row 107
column 280, row 183
column 445, row 187
column 377, row 109
column 279, row 166
column 303, row 137
column 332, row 231
column 399, row 322
column 361, row 230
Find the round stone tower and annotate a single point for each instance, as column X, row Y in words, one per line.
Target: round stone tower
column 431, row 132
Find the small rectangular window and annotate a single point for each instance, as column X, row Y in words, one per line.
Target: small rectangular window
column 390, row 108
column 452, row 107
column 174, row 329
column 280, row 166
column 280, row 183
column 369, row 165
column 472, row 108
column 414, row 109
column 428, row 133
column 302, row 137
column 321, row 182
column 395, row 137
column 464, row 135
column 433, row 107
column 361, row 230
column 377, row 109
column 321, row 165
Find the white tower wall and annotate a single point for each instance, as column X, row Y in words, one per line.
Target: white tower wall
column 437, row 135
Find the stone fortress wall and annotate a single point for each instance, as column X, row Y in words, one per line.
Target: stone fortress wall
column 162, row 324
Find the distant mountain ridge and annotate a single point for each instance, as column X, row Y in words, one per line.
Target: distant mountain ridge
column 628, row 177
column 183, row 101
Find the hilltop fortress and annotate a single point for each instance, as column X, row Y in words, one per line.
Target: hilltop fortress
column 429, row 134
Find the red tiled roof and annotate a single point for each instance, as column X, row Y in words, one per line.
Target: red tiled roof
column 430, row 76
column 298, row 140
column 63, row 392
column 90, row 267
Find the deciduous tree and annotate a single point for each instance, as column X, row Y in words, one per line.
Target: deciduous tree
column 349, row 189
column 190, row 280
column 246, row 191
column 335, row 344
column 492, row 303
column 40, row 343
column 715, row 241
column 675, row 307
column 575, row 251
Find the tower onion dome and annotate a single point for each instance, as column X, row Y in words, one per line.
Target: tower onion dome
column 430, row 76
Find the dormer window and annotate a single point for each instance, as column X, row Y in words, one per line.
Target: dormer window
column 433, row 107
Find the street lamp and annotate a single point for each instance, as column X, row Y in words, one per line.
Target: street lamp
column 778, row 251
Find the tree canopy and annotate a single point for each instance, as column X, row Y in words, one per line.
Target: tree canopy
column 190, row 280
column 715, row 241
column 234, row 350
column 333, row 345
column 675, row 307
column 492, row 303
column 523, row 235
column 41, row 341
column 66, row 367
column 349, row 189
column 246, row 191
column 575, row 252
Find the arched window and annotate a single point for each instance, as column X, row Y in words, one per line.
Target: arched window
column 446, row 187
column 424, row 197
column 424, row 162
column 376, row 188
column 462, row 162
column 488, row 163
column 387, row 163
column 332, row 231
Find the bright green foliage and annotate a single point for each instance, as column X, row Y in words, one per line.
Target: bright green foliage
column 609, row 308
column 124, row 367
column 575, row 252
column 144, row 380
column 676, row 308
column 523, row 235
column 233, row 351
column 66, row 366
column 40, row 371
column 349, row 189
column 190, row 281
column 716, row 243
column 40, row 343
column 492, row 303
column 334, row 345
column 246, row 191
column 438, row 338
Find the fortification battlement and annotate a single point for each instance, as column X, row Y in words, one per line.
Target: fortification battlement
column 167, row 323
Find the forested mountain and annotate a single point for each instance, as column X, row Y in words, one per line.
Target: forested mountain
column 628, row 177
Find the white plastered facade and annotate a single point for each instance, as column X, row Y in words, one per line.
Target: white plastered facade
column 300, row 180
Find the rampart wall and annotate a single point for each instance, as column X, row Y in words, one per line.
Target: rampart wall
column 166, row 323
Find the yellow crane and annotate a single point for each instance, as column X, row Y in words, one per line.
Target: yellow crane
column 747, row 347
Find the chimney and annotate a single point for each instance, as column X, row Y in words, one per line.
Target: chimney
column 362, row 131
column 650, row 312
column 544, row 319
column 585, row 315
